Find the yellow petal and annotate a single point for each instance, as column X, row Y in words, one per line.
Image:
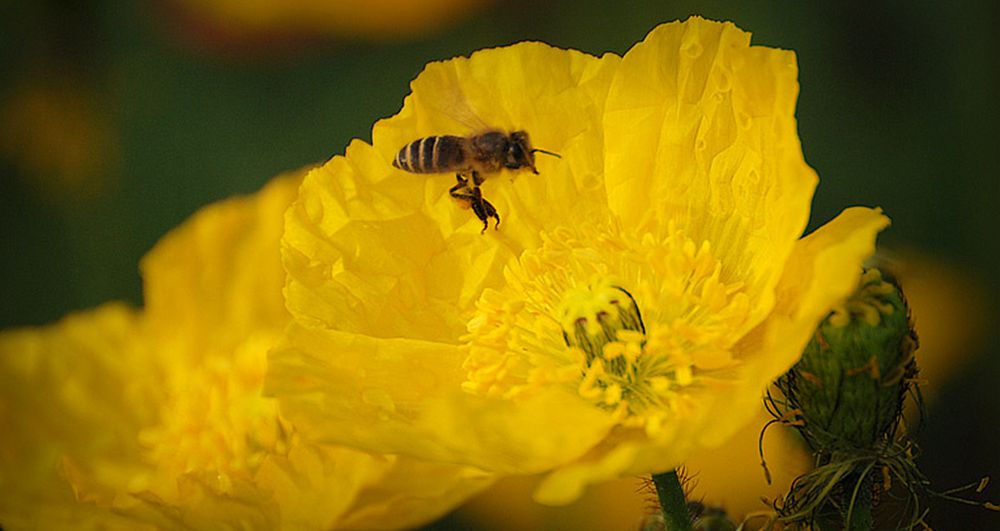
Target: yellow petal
column 219, row 275
column 729, row 476
column 556, row 95
column 380, row 251
column 411, row 493
column 301, row 480
column 72, row 395
column 362, row 256
column 567, row 483
column 700, row 132
column 403, row 396
column 357, row 490
column 822, row 271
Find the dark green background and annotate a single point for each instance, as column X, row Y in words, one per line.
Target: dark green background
column 898, row 108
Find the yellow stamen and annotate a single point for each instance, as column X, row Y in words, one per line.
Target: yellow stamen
column 627, row 321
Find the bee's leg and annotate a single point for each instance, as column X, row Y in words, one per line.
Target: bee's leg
column 474, row 197
column 462, row 183
column 476, row 178
column 484, row 211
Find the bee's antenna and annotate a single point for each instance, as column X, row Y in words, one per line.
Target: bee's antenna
column 556, row 155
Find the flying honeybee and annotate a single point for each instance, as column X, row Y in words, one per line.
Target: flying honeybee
column 472, row 158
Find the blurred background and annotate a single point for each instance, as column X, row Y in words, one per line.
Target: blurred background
column 120, row 119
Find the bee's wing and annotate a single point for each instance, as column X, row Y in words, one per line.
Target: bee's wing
column 456, row 107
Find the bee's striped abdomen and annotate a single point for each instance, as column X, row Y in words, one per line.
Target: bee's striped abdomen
column 433, row 154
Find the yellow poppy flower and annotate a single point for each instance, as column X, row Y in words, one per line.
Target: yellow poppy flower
column 638, row 297
column 123, row 418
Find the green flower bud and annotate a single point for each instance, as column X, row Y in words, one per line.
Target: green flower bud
column 849, row 386
column 845, row 395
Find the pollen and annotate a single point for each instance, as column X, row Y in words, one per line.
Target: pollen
column 630, row 322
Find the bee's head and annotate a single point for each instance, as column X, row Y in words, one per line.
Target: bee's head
column 520, row 154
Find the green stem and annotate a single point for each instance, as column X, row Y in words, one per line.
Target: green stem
column 675, row 511
column 859, row 506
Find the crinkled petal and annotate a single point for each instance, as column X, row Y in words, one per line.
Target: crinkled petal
column 375, row 255
column 556, row 95
column 376, row 250
column 312, row 476
column 404, row 396
column 700, row 130
column 200, row 506
column 362, row 256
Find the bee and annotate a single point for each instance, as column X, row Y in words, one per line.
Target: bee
column 473, row 159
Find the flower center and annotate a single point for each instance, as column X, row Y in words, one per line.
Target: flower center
column 594, row 316
column 629, row 321
column 602, row 325
column 215, row 419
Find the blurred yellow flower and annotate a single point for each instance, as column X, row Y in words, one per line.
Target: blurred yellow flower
column 640, row 295
column 53, row 131
column 120, row 418
column 950, row 309
column 244, row 21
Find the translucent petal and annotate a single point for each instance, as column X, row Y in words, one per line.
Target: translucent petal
column 700, row 131
column 823, row 270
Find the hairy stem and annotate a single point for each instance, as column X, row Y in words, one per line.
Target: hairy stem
column 672, row 502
